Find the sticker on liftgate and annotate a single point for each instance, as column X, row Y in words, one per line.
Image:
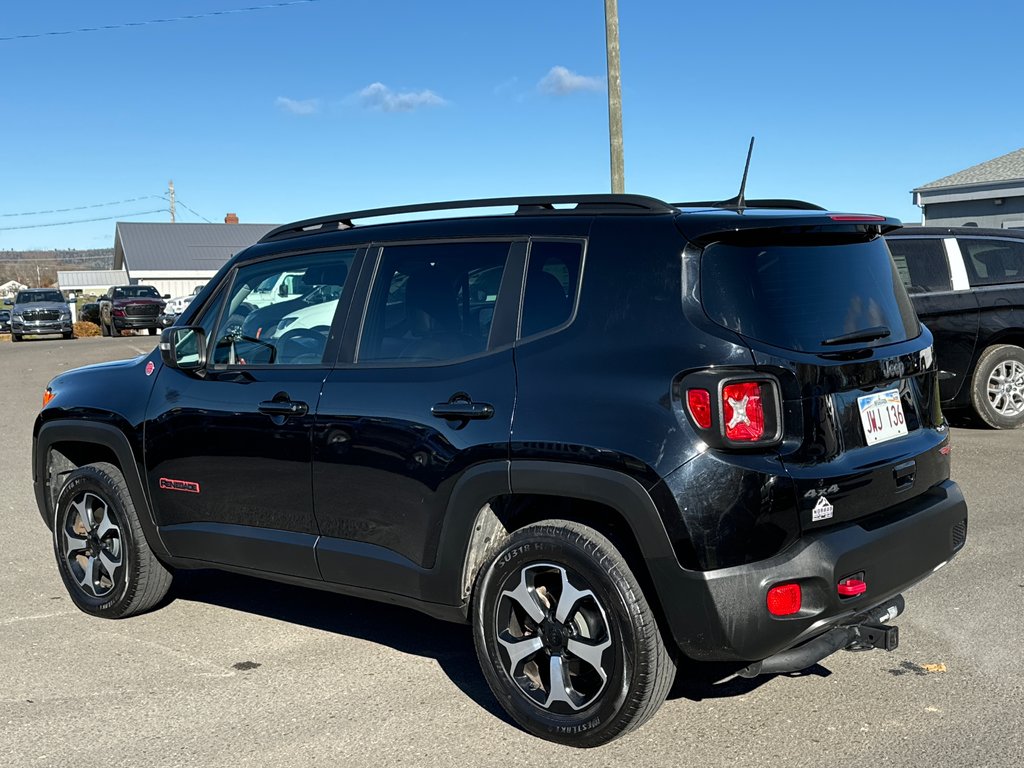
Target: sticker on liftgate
column 822, row 510
column 166, row 484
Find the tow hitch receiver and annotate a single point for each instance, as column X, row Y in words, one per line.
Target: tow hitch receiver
column 872, row 630
column 878, row 636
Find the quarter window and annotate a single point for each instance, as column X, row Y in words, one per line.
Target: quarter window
column 921, row 264
column 280, row 312
column 432, row 302
column 552, row 276
column 993, row 262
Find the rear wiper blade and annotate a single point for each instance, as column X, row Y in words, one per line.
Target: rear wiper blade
column 865, row 334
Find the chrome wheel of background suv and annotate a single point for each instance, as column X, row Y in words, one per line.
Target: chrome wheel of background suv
column 997, row 388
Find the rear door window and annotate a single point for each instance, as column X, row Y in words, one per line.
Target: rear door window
column 921, row 264
column 800, row 296
column 432, row 302
column 993, row 262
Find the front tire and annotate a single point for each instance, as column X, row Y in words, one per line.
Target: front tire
column 102, row 554
column 565, row 637
column 15, row 337
column 997, row 387
column 104, row 328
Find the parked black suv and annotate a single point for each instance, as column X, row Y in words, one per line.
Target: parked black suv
column 604, row 434
column 967, row 285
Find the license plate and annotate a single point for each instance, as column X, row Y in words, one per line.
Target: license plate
column 881, row 416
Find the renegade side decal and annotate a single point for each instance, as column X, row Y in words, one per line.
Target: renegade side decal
column 166, row 484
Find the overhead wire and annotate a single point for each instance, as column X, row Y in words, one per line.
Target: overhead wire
column 147, row 22
column 83, row 207
column 83, row 221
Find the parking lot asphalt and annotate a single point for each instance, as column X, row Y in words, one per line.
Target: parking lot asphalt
column 239, row 672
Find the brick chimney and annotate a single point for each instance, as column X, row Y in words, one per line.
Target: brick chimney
column 231, row 218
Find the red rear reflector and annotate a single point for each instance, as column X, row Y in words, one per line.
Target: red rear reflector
column 856, row 217
column 744, row 411
column 944, row 450
column 699, row 402
column 784, row 599
column 851, row 587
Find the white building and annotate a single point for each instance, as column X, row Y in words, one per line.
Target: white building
column 91, row 282
column 10, row 288
column 175, row 258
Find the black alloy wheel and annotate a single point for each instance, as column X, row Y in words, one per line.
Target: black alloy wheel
column 565, row 637
column 102, row 554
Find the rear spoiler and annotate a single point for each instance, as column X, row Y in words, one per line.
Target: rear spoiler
column 708, row 226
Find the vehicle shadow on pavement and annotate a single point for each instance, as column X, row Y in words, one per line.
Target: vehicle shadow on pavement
column 701, row 681
column 403, row 629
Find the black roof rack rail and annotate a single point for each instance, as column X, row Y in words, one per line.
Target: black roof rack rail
column 781, row 203
column 525, row 206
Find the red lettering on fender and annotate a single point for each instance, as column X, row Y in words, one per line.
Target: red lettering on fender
column 166, row 484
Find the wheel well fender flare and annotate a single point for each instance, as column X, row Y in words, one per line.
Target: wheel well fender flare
column 107, row 435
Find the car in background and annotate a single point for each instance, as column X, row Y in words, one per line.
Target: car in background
column 177, row 305
column 40, row 311
column 90, row 313
column 131, row 307
column 5, row 321
column 967, row 285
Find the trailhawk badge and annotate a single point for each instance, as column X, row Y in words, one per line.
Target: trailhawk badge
column 822, row 510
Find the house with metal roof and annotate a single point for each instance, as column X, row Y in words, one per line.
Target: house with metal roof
column 175, row 258
column 990, row 194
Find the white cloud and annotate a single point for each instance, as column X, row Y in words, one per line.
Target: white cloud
column 297, row 106
column 560, row 81
column 381, row 98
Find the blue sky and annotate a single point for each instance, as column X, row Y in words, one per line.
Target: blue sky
column 333, row 105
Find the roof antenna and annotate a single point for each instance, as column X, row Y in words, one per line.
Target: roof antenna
column 739, row 201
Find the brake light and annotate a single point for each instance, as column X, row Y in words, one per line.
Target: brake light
column 699, row 402
column 784, row 599
column 856, row 217
column 743, row 408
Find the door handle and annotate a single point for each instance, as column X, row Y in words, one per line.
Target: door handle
column 283, row 408
column 463, row 409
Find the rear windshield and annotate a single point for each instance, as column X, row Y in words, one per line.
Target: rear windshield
column 802, row 296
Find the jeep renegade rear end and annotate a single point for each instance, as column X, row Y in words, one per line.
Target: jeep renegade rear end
column 602, row 434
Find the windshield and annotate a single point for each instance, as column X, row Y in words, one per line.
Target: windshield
column 811, row 298
column 136, row 292
column 27, row 297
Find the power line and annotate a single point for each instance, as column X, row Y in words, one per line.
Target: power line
column 83, row 221
column 82, row 207
column 190, row 17
column 193, row 212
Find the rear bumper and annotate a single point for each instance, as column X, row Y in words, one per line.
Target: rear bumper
column 722, row 614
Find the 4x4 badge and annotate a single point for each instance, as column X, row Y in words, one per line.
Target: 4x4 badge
column 822, row 510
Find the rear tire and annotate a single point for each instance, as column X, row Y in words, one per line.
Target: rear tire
column 997, row 387
column 565, row 638
column 102, row 554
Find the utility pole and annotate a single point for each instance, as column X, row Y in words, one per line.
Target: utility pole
column 170, row 194
column 611, row 27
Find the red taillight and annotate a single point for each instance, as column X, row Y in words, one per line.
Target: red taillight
column 744, row 411
column 784, row 599
column 699, row 402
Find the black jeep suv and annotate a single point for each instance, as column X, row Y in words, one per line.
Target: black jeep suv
column 606, row 431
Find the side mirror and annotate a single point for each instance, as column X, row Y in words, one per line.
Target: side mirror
column 167, row 295
column 283, row 290
column 8, row 302
column 183, row 347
